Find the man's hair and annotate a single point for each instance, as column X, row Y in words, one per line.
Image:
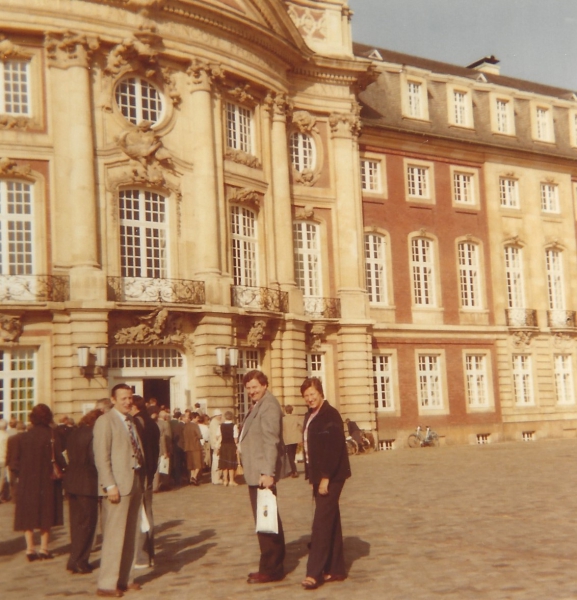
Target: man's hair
column 288, row 409
column 177, row 414
column 258, row 375
column 119, row 386
column 139, row 402
column 194, row 415
column 313, row 382
column 89, row 418
column 41, row 415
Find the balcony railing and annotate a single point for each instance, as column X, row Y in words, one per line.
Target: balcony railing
column 261, row 298
column 34, row 288
column 561, row 319
column 322, row 308
column 521, row 317
column 144, row 289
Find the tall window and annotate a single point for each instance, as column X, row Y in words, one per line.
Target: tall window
column 469, row 279
column 143, row 234
column 550, row 197
column 476, row 380
column 302, row 151
column 415, row 101
column 16, row 228
column 564, row 389
column 463, row 188
column 307, row 257
column 248, row 360
column 316, row 366
column 430, row 388
column 244, row 246
column 423, row 269
column 418, row 181
column 555, row 283
column 542, row 124
column 15, row 88
column 238, row 128
column 139, row 100
column 514, row 276
column 522, row 380
column 371, row 175
column 460, row 101
column 17, row 383
column 502, row 112
column 509, row 192
column 375, row 268
column 383, row 382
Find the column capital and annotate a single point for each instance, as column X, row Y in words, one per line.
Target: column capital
column 278, row 105
column 346, row 124
column 66, row 49
column 203, row 75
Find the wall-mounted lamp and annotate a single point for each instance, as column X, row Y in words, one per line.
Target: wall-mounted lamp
column 100, row 359
column 226, row 361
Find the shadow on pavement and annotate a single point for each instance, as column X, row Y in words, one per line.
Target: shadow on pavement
column 355, row 548
column 295, row 550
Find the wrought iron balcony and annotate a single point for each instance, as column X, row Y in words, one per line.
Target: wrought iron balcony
column 145, row 289
column 322, row 308
column 561, row 319
column 34, row 288
column 521, row 317
column 261, row 298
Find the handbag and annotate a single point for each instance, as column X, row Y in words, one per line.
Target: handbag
column 266, row 511
column 57, row 473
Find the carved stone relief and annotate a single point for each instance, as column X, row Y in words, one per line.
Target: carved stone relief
column 304, row 214
column 563, row 341
column 242, row 158
column 522, row 338
column 10, row 168
column 317, row 335
column 309, row 21
column 66, row 49
column 247, row 196
column 346, row 123
column 256, row 333
column 10, row 328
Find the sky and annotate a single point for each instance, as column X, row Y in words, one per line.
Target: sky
column 534, row 39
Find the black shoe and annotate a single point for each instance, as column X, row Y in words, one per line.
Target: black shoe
column 31, row 556
column 42, row 555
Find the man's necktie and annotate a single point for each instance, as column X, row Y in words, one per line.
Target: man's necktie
column 134, row 441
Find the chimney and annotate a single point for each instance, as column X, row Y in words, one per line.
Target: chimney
column 488, row 64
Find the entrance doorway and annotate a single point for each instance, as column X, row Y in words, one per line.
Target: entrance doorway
column 157, row 388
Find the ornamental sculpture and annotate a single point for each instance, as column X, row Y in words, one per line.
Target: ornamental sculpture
column 10, row 168
column 246, row 196
column 256, row 333
column 138, row 53
column 10, row 328
column 159, row 327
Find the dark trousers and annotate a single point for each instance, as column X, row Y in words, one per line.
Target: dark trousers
column 145, row 540
column 326, row 554
column 272, row 548
column 291, row 452
column 178, row 466
column 83, row 519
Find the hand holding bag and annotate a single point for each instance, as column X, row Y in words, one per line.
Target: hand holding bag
column 266, row 511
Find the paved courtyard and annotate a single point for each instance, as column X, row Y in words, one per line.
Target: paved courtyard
column 457, row 523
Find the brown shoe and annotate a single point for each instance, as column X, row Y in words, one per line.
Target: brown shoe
column 135, row 587
column 263, row 578
column 109, row 593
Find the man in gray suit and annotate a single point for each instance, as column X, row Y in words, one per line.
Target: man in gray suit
column 119, row 459
column 261, row 449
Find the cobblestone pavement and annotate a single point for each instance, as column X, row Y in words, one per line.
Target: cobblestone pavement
column 458, row 523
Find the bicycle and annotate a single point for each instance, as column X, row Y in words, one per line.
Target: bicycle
column 368, row 444
column 417, row 439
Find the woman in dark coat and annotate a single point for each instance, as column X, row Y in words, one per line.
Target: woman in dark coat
column 81, row 485
column 327, row 468
column 228, row 458
column 38, row 496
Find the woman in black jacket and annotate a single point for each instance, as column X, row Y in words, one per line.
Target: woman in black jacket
column 327, row 468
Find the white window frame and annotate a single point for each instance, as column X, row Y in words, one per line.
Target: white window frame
column 509, row 192
column 502, row 114
column 542, row 120
column 564, row 386
column 376, row 268
column 469, row 259
column 18, row 383
column 550, row 197
column 464, row 188
column 316, row 366
column 418, row 184
column 523, row 388
column 555, row 279
column 146, row 233
column 244, row 246
column 514, row 277
column 430, row 381
column 414, row 97
column 148, row 105
column 371, row 177
column 307, row 258
column 477, row 380
column 239, row 128
column 15, row 88
column 303, row 151
column 460, row 107
column 384, row 392
column 423, row 272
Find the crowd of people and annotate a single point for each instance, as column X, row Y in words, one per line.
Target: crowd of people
column 120, row 454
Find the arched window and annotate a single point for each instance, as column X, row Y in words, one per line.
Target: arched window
column 139, row 100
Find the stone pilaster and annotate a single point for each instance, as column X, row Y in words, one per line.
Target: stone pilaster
column 288, row 366
column 76, row 236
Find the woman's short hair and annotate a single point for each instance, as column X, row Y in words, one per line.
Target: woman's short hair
column 229, row 415
column 89, row 418
column 258, row 375
column 313, row 382
column 41, row 415
column 288, row 409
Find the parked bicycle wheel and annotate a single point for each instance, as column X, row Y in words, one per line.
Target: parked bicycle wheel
column 352, row 447
column 369, row 442
column 434, row 439
column 414, row 441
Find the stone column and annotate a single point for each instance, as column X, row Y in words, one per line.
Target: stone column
column 281, row 200
column 76, row 234
column 208, row 260
column 345, row 128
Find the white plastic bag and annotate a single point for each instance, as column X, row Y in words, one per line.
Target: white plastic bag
column 163, row 465
column 266, row 512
